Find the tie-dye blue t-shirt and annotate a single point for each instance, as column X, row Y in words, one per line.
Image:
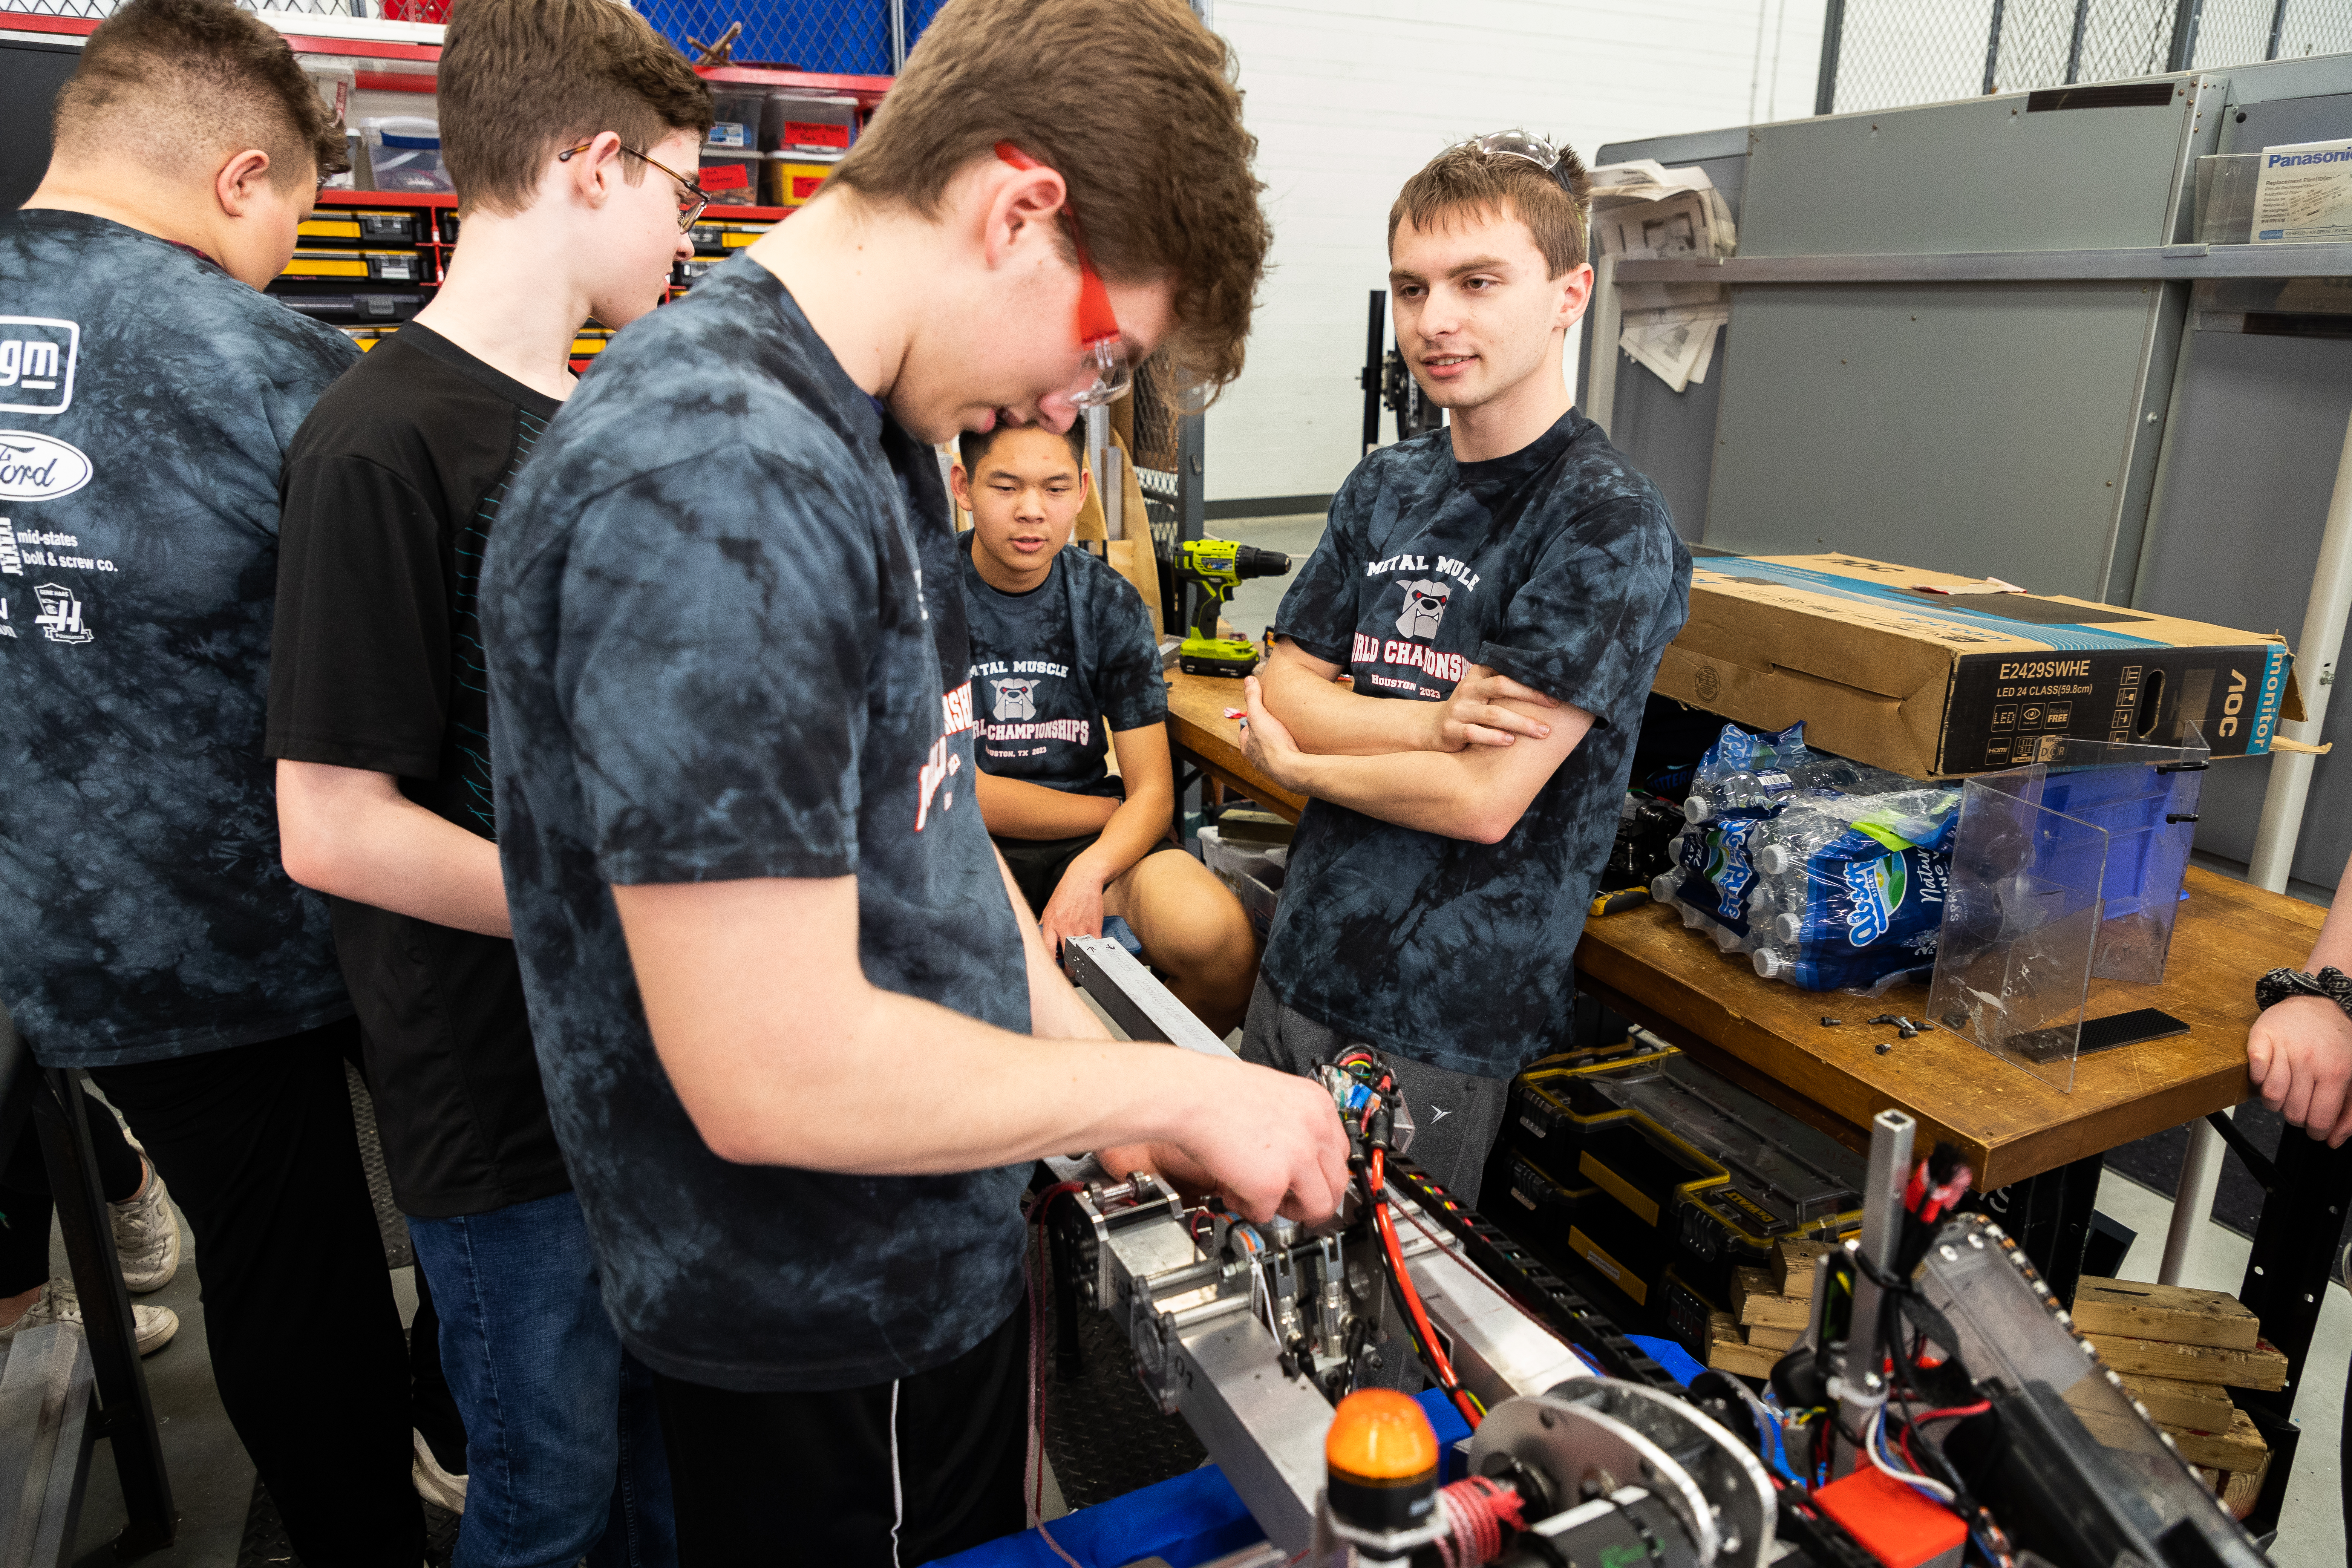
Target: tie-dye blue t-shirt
column 726, row 640
column 146, row 403
column 1559, row 566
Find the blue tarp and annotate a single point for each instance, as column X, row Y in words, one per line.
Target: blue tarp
column 1192, row 1518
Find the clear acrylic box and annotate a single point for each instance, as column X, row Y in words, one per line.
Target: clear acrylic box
column 2063, row 871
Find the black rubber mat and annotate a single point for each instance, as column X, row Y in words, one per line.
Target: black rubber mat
column 397, row 1252
column 1103, row 1434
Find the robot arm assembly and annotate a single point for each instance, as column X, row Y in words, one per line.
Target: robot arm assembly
column 1271, row 1341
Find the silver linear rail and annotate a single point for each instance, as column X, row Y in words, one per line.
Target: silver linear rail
column 1142, row 1007
column 2121, row 264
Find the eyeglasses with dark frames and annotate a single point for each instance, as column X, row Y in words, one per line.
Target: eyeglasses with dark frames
column 692, row 197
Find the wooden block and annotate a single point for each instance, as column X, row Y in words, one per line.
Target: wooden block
column 1752, row 1301
column 2241, row 1489
column 1726, row 1352
column 2175, row 1404
column 1773, row 1339
column 1792, row 1266
column 2263, row 1367
column 2237, row 1446
column 2173, row 1313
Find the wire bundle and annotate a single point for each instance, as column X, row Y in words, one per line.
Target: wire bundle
column 1480, row 1515
column 1033, row 1473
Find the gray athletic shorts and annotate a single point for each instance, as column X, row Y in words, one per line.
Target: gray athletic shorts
column 1455, row 1116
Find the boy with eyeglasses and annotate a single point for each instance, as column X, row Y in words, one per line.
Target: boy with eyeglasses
column 802, row 1042
column 1501, row 591
column 563, row 124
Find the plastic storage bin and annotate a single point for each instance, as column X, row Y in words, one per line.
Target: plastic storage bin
column 808, row 124
column 403, row 153
column 735, row 121
column 794, row 178
column 733, row 179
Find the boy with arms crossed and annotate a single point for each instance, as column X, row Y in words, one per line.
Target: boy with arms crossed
column 800, row 1043
column 379, row 719
column 1501, row 591
column 147, row 932
column 1061, row 645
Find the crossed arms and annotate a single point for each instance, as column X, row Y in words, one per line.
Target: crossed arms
column 1467, row 767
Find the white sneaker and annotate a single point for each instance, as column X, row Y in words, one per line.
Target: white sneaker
column 59, row 1303
column 434, row 1484
column 147, row 1235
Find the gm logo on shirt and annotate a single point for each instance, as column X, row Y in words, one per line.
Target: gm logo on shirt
column 36, row 363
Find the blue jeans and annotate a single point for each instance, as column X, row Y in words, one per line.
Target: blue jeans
column 563, row 1447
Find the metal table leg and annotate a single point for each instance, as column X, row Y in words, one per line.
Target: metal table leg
column 129, row 1411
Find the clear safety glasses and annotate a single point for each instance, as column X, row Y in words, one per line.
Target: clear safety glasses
column 1104, row 373
column 1521, row 144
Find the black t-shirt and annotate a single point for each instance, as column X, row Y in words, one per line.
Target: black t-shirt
column 391, row 490
column 146, row 402
column 1559, row 566
column 726, row 642
column 1051, row 667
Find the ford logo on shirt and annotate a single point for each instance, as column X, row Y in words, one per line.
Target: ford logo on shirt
column 40, row 467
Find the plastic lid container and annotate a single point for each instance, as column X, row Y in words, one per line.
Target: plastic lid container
column 1769, row 964
column 1774, row 858
column 1695, row 808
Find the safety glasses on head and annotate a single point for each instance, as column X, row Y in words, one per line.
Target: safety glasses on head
column 1523, row 145
column 691, row 197
column 1104, row 373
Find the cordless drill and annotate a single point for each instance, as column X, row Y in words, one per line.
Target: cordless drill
column 1219, row 565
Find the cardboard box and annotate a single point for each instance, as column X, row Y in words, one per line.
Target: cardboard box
column 1937, row 685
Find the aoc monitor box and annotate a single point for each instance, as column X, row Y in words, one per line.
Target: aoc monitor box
column 1933, row 675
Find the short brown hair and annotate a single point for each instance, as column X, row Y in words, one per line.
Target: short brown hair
column 974, row 444
column 522, row 79
column 1463, row 179
column 190, row 80
column 1133, row 103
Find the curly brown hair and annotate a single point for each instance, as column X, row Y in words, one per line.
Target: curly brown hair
column 191, row 82
column 1462, row 179
column 1133, row 101
column 522, row 79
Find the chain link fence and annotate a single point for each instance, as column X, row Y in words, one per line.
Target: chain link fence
column 846, row 37
column 1884, row 54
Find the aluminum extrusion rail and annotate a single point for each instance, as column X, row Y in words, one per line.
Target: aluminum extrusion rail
column 1551, row 1299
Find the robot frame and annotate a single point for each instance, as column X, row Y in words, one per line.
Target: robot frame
column 2017, row 1447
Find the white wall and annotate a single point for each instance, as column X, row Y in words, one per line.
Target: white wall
column 1348, row 99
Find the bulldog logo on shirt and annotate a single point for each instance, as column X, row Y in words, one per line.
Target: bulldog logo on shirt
column 1015, row 699
column 1424, row 607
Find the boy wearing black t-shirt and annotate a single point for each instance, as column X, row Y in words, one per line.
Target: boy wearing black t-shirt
column 379, row 718
column 1061, row 648
column 1501, row 592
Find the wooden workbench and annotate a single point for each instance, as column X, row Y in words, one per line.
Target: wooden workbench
column 1203, row 737
column 1770, row 1037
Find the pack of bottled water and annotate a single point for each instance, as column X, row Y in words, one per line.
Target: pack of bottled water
column 1828, row 874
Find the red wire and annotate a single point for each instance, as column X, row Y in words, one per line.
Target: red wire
column 1378, row 1171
